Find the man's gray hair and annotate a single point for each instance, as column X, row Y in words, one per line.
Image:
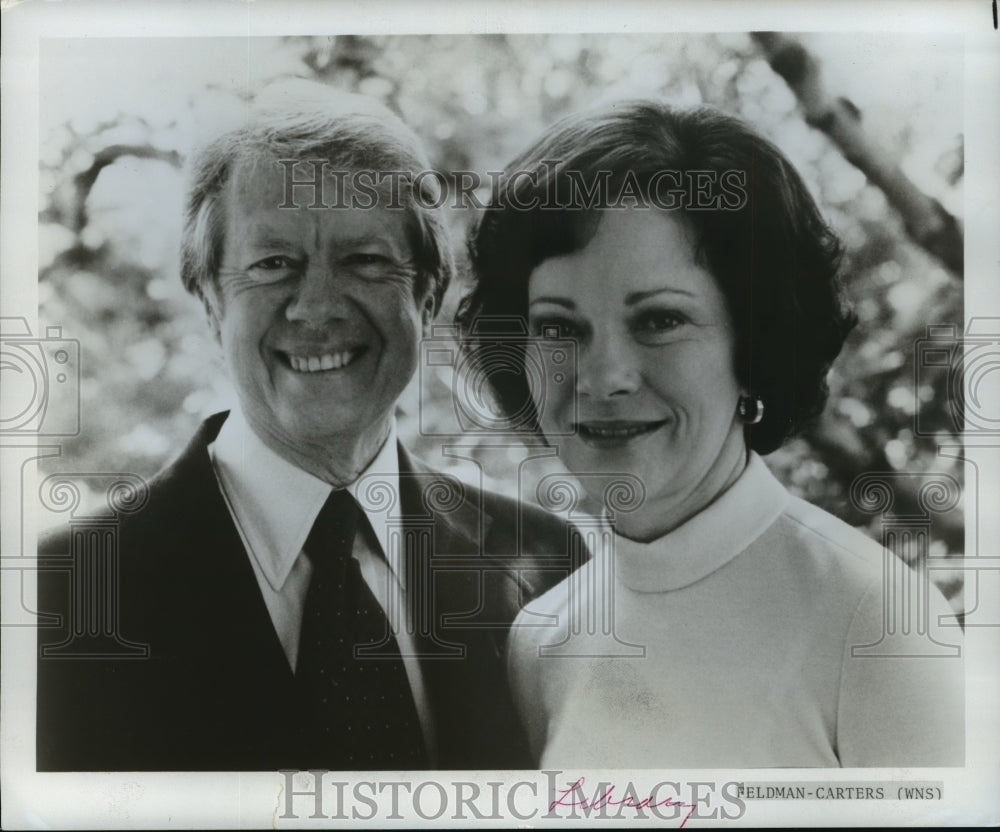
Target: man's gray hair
column 305, row 120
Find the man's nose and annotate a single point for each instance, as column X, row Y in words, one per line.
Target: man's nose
column 319, row 295
column 608, row 366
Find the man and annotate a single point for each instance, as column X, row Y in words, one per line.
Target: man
column 293, row 621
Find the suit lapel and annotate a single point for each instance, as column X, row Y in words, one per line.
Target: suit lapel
column 469, row 700
column 461, row 528
column 461, row 523
column 223, row 640
column 224, row 610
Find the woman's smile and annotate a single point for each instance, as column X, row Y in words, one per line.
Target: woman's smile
column 616, row 434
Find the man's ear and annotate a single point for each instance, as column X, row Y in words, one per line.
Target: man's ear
column 213, row 312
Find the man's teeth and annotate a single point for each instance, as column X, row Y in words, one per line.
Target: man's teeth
column 319, row 363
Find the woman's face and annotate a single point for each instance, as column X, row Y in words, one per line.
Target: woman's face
column 656, row 393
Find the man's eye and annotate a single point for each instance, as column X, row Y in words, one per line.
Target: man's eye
column 274, row 263
column 367, row 259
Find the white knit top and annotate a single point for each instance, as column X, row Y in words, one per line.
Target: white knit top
column 741, row 640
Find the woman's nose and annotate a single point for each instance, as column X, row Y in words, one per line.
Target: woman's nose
column 607, row 367
column 318, row 296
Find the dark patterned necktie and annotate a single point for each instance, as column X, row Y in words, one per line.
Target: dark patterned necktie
column 361, row 714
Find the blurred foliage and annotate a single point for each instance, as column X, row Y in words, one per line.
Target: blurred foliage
column 112, row 184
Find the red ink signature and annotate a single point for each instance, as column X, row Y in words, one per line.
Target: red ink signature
column 607, row 798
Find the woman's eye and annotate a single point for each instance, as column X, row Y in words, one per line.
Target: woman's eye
column 656, row 322
column 555, row 328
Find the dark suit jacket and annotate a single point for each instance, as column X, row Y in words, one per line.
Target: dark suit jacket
column 215, row 691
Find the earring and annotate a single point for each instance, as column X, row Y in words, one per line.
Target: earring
column 751, row 409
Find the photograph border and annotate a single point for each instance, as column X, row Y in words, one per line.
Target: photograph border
column 966, row 795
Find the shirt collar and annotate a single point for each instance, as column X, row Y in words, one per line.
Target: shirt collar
column 707, row 541
column 276, row 503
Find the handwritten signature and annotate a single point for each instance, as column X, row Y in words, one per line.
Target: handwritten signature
column 600, row 800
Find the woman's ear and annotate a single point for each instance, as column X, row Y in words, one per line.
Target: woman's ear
column 427, row 313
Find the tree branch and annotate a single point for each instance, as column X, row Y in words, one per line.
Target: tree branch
column 926, row 221
column 85, row 180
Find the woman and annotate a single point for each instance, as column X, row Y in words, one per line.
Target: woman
column 684, row 256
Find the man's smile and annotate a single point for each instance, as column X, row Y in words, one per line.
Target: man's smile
column 316, row 362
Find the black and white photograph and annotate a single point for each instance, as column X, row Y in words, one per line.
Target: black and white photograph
column 424, row 416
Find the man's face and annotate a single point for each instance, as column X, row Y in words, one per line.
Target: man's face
column 316, row 314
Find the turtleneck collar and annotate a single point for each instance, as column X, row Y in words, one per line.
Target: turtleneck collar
column 707, row 541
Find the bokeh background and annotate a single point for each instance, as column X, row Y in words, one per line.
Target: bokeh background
column 119, row 118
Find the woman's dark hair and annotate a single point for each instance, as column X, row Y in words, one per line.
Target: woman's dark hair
column 756, row 229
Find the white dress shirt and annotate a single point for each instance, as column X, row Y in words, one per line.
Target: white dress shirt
column 274, row 505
